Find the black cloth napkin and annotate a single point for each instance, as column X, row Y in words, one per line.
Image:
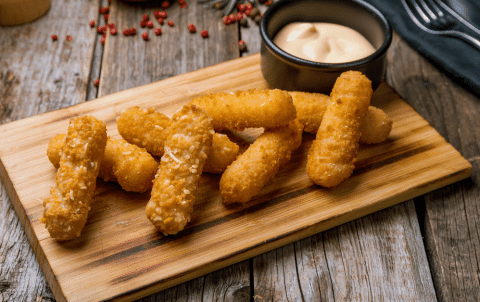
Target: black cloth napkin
column 456, row 58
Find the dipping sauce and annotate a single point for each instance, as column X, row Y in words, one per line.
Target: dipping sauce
column 323, row 42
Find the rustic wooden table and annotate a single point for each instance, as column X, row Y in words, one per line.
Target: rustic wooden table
column 424, row 249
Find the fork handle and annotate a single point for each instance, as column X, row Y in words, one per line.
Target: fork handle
column 467, row 38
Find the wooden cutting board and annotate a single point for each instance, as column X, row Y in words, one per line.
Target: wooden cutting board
column 120, row 256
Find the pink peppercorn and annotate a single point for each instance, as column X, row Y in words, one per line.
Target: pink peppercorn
column 248, row 6
column 239, row 16
column 232, row 18
column 113, row 31
column 157, row 31
column 160, row 20
column 162, row 14
column 145, row 17
column 92, row 23
column 204, row 33
column 69, row 38
column 145, row 36
column 105, row 17
column 268, row 3
column 143, row 24
column 241, row 8
column 170, row 23
column 54, row 37
column 226, row 20
column 156, row 13
column 150, row 24
column 165, row 4
column 96, row 82
column 191, row 28
column 102, row 39
column 102, row 29
column 132, row 31
column 104, row 10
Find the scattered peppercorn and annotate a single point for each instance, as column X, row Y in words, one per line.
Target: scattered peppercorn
column 232, row 18
column 226, row 20
column 254, row 12
column 241, row 7
column 156, row 13
column 132, row 31
column 96, row 82
column 191, row 28
column 143, row 24
column 249, row 5
column 242, row 46
column 170, row 23
column 160, row 20
column 243, row 22
column 54, row 37
column 239, row 16
column 105, row 17
column 92, row 23
column 102, row 29
column 104, row 10
column 111, row 25
column 165, row 4
column 102, row 39
column 145, row 17
column 162, row 14
column 157, row 31
column 126, row 32
column 150, row 24
column 268, row 3
column 113, row 31
column 145, row 36
column 204, row 33
column 69, row 38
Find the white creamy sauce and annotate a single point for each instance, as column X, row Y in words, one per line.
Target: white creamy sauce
column 323, row 42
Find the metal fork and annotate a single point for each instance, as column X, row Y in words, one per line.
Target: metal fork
column 433, row 20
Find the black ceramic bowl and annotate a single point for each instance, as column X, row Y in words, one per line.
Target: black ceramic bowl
column 285, row 71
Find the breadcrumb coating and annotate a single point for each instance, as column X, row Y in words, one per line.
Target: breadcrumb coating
column 246, row 176
column 311, row 107
column 253, row 108
column 144, row 128
column 333, row 153
column 66, row 209
column 132, row 167
column 186, row 150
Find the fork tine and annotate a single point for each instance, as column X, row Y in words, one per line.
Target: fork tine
column 419, row 10
column 427, row 9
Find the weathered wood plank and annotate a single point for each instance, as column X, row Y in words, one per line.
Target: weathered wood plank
column 38, row 75
column 451, row 222
column 376, row 258
column 131, row 62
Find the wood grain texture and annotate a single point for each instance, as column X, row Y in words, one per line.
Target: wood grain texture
column 415, row 160
column 451, row 224
column 38, row 75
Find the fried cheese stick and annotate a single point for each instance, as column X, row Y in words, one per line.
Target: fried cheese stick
column 246, row 176
column 186, row 150
column 333, row 153
column 238, row 110
column 66, row 209
column 141, row 127
column 133, row 123
column 311, row 107
column 222, row 153
column 132, row 167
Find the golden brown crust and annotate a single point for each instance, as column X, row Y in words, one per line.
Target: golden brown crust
column 66, row 209
column 222, row 153
column 186, row 150
column 132, row 167
column 238, row 110
column 145, row 128
column 245, row 177
column 311, row 107
column 333, row 153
